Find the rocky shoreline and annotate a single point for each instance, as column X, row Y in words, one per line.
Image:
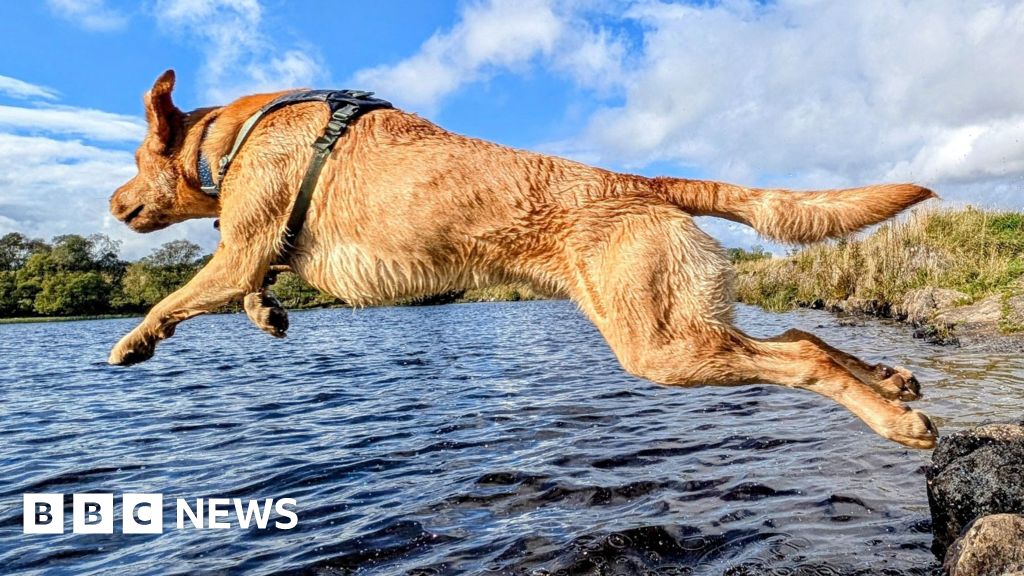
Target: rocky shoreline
column 976, row 498
column 944, row 317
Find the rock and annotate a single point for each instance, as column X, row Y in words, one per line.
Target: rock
column 863, row 306
column 987, row 311
column 920, row 305
column 990, row 546
column 941, row 335
column 1015, row 311
column 974, row 473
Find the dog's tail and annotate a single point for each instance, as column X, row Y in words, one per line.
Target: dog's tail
column 793, row 217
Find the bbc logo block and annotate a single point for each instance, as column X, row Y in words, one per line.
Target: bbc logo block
column 43, row 514
column 93, row 513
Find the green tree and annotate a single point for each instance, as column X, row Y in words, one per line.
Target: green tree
column 144, row 285
column 165, row 270
column 105, row 253
column 294, row 292
column 71, row 252
column 15, row 248
column 25, row 292
column 68, row 293
column 175, row 253
column 8, row 293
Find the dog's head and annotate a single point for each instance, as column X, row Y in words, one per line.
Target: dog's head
column 163, row 193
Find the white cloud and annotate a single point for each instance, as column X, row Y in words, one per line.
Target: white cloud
column 58, row 169
column 239, row 58
column 92, row 15
column 23, row 90
column 823, row 93
column 52, row 186
column 493, row 36
column 798, row 93
column 91, row 124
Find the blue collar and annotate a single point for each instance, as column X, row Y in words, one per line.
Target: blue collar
column 206, row 182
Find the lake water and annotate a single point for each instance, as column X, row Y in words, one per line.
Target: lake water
column 482, row 438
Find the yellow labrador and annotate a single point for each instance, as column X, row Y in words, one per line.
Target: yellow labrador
column 405, row 208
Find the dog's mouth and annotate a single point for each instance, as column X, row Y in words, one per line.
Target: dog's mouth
column 142, row 223
column 133, row 214
column 148, row 225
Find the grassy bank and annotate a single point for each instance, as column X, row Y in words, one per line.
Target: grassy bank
column 503, row 293
column 315, row 300
column 28, row 319
column 976, row 252
column 507, row 293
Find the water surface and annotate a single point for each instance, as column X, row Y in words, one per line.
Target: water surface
column 484, row 438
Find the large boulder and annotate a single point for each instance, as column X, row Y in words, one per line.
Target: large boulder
column 990, row 546
column 974, row 473
column 985, row 311
column 920, row 305
column 1015, row 311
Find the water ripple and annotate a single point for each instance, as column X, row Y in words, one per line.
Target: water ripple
column 484, row 439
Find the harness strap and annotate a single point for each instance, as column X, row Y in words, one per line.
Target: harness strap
column 322, row 147
column 345, row 106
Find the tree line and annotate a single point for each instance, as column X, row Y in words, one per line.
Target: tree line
column 74, row 275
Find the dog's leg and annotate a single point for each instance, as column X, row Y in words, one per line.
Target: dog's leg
column 893, row 383
column 658, row 290
column 225, row 278
column 726, row 357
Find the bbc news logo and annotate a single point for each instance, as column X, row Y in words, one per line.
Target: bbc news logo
column 144, row 513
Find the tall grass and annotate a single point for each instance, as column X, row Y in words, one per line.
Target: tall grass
column 977, row 252
column 503, row 293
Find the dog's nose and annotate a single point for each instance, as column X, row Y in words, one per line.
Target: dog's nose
column 117, row 204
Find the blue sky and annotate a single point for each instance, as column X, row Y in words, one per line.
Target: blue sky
column 798, row 93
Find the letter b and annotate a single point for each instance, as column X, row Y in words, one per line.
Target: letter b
column 43, row 514
column 92, row 514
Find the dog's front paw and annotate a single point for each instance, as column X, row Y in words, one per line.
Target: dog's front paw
column 132, row 349
column 266, row 312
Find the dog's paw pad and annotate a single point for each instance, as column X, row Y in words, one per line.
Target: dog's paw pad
column 896, row 387
column 896, row 383
column 912, row 385
column 129, row 356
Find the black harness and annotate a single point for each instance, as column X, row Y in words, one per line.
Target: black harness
column 345, row 105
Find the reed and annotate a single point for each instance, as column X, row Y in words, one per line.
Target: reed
column 977, row 252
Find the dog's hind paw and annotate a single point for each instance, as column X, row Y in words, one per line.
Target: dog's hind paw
column 896, row 383
column 266, row 312
column 913, row 429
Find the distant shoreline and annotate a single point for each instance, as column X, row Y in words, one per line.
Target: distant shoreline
column 42, row 319
column 956, row 276
column 495, row 294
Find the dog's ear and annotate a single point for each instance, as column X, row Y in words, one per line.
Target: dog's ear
column 161, row 113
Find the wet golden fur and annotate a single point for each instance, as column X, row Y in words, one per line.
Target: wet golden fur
column 404, row 208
